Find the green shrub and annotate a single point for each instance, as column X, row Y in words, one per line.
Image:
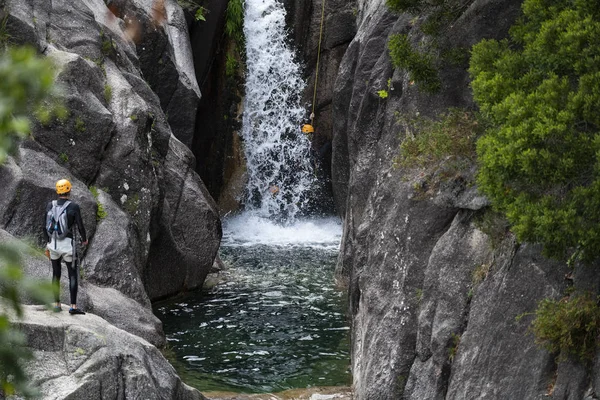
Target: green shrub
column 454, row 134
column 540, row 157
column 419, row 65
column 569, row 326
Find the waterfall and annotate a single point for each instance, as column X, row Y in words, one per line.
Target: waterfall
column 281, row 176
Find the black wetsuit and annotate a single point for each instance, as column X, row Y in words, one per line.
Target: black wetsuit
column 73, row 217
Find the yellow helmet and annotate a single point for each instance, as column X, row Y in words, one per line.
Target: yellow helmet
column 63, row 186
column 308, row 128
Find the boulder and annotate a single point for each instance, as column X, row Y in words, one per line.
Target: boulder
column 189, row 230
column 84, row 357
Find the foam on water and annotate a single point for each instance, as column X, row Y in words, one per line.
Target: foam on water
column 248, row 230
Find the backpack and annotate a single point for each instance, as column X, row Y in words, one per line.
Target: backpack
column 56, row 221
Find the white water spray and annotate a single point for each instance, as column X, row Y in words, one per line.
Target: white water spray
column 280, row 174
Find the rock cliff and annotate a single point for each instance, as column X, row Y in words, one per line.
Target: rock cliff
column 127, row 78
column 434, row 286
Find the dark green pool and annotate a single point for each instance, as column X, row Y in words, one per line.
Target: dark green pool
column 276, row 322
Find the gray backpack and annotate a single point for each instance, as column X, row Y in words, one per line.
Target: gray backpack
column 56, row 221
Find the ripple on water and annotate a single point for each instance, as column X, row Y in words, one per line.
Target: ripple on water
column 277, row 323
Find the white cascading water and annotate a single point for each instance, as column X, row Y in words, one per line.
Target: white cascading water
column 280, row 174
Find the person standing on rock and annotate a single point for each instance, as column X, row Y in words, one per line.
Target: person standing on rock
column 61, row 216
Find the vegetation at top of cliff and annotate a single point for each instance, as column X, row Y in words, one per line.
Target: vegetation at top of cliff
column 569, row 326
column 26, row 82
column 540, row 160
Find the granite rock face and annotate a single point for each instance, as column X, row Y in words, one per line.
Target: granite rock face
column 84, row 357
column 116, row 138
column 127, row 77
column 434, row 292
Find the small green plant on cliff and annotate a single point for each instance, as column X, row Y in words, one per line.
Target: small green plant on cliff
column 63, row 157
column 569, row 326
column 453, row 135
column 480, row 273
column 540, row 158
column 132, row 203
column 107, row 93
column 494, row 225
column 453, row 349
column 231, row 65
column 100, row 212
column 201, row 14
column 419, row 64
column 79, row 125
column 384, row 93
column 107, row 46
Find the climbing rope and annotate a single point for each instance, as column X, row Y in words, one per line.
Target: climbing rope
column 312, row 114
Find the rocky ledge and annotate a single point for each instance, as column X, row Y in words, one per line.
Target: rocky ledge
column 84, row 357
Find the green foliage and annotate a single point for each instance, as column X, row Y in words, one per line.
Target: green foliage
column 201, row 14
column 63, row 157
column 26, row 88
column 100, row 211
column 570, row 326
column 454, row 134
column 133, row 117
column 541, row 91
column 79, row 125
column 231, row 65
column 480, row 273
column 494, row 225
column 132, row 203
column 418, row 64
column 5, row 36
column 106, row 46
column 107, row 93
column 383, row 94
column 409, row 6
column 234, row 21
column 13, row 352
column 26, row 82
column 454, row 343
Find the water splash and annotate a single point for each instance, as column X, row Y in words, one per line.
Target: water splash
column 250, row 230
column 280, row 173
